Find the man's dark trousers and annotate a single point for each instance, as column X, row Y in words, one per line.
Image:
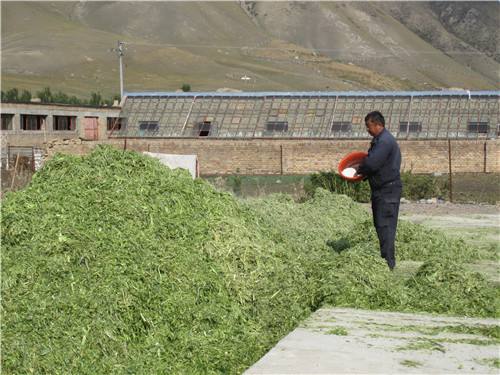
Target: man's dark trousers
column 385, row 208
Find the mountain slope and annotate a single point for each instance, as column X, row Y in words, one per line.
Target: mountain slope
column 278, row 45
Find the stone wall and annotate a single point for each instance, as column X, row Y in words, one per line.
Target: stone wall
column 275, row 156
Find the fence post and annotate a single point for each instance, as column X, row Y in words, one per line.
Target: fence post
column 15, row 171
column 32, row 159
column 281, row 159
column 449, row 170
column 484, row 168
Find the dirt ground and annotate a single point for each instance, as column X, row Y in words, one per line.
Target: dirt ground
column 448, row 209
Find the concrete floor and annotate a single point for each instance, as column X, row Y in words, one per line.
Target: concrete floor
column 341, row 341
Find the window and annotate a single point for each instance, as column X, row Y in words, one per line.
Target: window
column 203, row 128
column 7, row 121
column 277, row 126
column 481, row 127
column 341, row 127
column 67, row 123
column 410, row 127
column 148, row 126
column 114, row 123
column 32, row 122
column 357, row 119
column 315, row 112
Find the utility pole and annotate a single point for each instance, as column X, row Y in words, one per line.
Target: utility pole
column 119, row 50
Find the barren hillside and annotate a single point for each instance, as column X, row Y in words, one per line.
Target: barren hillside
column 278, row 45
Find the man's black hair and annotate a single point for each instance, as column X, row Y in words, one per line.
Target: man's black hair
column 375, row 116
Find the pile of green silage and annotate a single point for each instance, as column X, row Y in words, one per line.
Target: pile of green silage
column 111, row 263
column 356, row 276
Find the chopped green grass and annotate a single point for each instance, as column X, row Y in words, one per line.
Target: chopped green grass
column 111, row 263
column 423, row 344
column 491, row 362
column 489, row 331
column 340, row 331
column 410, row 363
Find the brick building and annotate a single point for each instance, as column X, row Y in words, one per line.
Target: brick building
column 278, row 133
column 32, row 124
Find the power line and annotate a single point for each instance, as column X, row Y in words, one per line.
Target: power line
column 212, row 46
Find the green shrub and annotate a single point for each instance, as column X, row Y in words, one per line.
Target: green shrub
column 47, row 96
column 11, row 95
column 95, row 99
column 415, row 186
column 421, row 186
column 234, row 181
column 25, row 96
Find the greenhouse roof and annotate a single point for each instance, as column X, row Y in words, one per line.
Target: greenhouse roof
column 259, row 94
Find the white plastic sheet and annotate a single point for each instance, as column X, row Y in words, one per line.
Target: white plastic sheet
column 173, row 161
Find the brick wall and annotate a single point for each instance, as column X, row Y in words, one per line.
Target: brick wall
column 274, row 156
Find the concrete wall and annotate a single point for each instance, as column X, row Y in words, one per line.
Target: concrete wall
column 274, row 156
column 18, row 137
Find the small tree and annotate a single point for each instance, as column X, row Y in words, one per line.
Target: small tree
column 25, row 96
column 112, row 99
column 74, row 100
column 186, row 87
column 45, row 95
column 95, row 99
column 12, row 95
column 60, row 97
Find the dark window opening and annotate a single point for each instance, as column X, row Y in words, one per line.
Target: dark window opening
column 148, row 126
column 114, row 123
column 32, row 122
column 204, row 128
column 62, row 123
column 481, row 127
column 277, row 126
column 7, row 121
column 341, row 127
column 410, row 127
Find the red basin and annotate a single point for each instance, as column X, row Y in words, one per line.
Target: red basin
column 352, row 160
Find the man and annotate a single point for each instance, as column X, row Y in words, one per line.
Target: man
column 381, row 167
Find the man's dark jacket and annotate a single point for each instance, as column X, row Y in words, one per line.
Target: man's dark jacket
column 383, row 162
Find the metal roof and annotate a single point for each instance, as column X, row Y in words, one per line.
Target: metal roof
column 314, row 93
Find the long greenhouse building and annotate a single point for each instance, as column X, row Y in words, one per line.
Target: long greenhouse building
column 327, row 115
column 269, row 132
